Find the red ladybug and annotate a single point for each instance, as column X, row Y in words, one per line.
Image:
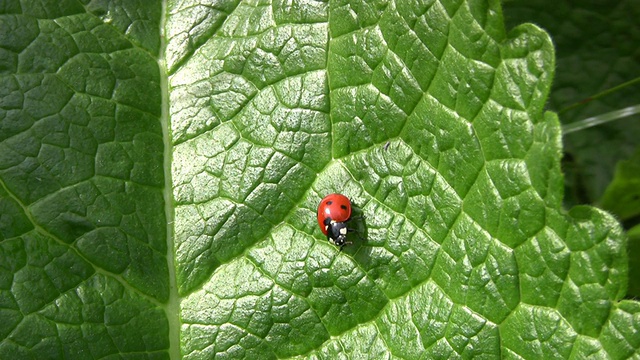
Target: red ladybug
column 333, row 213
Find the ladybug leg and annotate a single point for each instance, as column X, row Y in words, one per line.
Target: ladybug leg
column 357, row 233
column 345, row 244
column 356, row 219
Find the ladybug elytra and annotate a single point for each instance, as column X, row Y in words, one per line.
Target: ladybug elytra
column 333, row 213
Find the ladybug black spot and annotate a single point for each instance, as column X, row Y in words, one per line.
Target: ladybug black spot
column 329, row 202
column 343, row 207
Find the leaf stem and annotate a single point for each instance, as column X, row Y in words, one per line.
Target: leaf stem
column 599, row 95
column 600, row 119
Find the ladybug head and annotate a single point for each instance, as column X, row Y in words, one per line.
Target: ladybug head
column 336, row 232
column 341, row 240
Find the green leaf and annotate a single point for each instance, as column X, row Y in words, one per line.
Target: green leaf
column 158, row 200
column 83, row 242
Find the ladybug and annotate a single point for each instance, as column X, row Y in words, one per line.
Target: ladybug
column 333, row 213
